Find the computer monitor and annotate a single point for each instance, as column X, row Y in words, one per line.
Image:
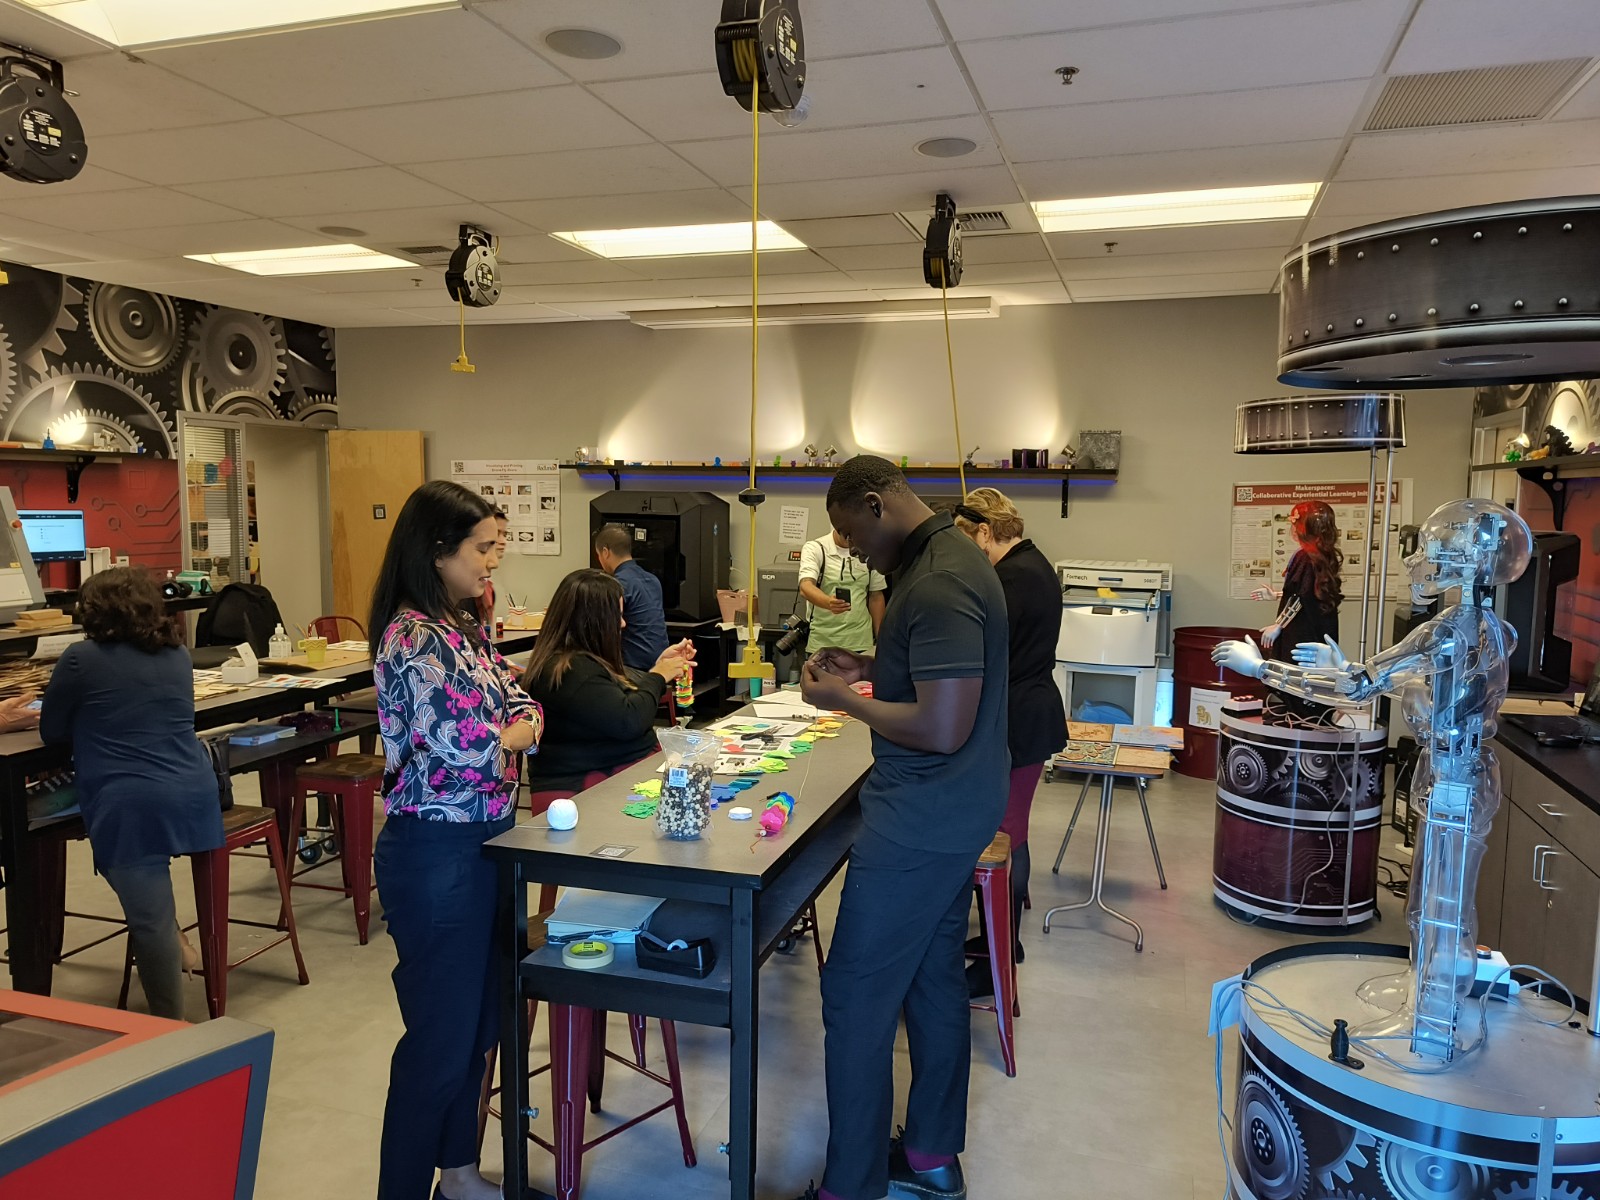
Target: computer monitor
column 54, row 535
column 1542, row 660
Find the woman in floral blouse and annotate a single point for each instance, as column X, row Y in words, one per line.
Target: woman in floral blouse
column 455, row 722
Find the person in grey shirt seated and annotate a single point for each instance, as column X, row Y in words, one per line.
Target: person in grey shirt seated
column 929, row 806
column 644, row 617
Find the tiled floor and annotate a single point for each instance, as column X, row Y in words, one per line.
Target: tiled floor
column 1114, row 1095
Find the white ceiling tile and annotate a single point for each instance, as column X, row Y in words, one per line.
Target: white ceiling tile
column 1144, row 266
column 90, row 179
column 358, row 286
column 677, row 108
column 241, row 150
column 1447, row 35
column 1271, row 48
column 809, row 285
column 901, row 277
column 325, row 192
column 1233, row 166
column 1524, row 146
column 217, row 237
column 707, row 266
column 851, row 231
column 874, row 258
column 590, row 270
column 31, row 243
column 972, row 187
column 118, row 94
column 106, row 212
column 983, row 274
column 524, row 122
column 158, row 274
column 1015, row 18
column 436, row 224
column 419, row 56
column 539, row 248
column 1403, row 197
column 1313, row 111
column 1244, row 235
column 1004, row 248
column 657, row 38
column 839, row 153
column 839, row 28
column 1321, row 226
column 1233, row 283
column 694, row 206
column 618, row 171
column 43, row 35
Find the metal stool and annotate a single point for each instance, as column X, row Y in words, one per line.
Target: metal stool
column 351, row 782
column 242, row 825
column 1108, row 780
column 992, row 878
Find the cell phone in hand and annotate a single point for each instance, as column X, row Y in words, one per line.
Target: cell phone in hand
column 35, row 706
column 842, row 593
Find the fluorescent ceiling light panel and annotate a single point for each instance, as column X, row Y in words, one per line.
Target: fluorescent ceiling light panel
column 1211, row 206
column 305, row 260
column 823, row 313
column 681, row 241
column 137, row 23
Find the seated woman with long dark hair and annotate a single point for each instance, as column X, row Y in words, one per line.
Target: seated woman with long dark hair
column 598, row 714
column 124, row 699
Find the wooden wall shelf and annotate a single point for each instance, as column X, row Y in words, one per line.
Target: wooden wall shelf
column 73, row 460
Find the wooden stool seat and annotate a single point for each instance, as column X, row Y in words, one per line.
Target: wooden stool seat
column 242, row 825
column 351, row 782
column 992, row 878
column 342, row 768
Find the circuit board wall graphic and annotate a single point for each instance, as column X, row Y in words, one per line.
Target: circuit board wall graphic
column 111, row 365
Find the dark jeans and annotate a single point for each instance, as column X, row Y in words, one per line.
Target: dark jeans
column 440, row 901
column 144, row 889
column 897, row 945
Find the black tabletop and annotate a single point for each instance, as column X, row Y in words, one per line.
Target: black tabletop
column 728, row 854
column 1575, row 770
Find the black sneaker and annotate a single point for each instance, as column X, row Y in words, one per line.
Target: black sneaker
column 810, row 1193
column 942, row 1183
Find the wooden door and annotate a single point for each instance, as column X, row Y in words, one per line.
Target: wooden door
column 370, row 474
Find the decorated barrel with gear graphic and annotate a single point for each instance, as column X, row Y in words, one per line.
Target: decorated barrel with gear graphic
column 1515, row 1119
column 1299, row 814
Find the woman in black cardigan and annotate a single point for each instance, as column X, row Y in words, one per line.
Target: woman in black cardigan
column 598, row 715
column 1036, row 715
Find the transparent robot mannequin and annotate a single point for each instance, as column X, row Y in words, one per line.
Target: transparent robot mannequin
column 1449, row 676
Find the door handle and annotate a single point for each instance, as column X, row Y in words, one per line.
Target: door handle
column 1551, row 812
column 1541, row 863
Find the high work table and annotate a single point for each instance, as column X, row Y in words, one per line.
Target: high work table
column 752, row 890
column 23, row 756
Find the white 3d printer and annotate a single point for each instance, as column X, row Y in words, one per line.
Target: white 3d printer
column 1116, row 622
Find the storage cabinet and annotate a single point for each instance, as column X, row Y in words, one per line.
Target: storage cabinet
column 1523, row 908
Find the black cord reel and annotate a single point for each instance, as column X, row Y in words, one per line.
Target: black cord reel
column 41, row 138
column 761, row 48
column 473, row 276
column 941, row 253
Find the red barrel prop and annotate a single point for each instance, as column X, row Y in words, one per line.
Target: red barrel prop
column 1299, row 817
column 1192, row 668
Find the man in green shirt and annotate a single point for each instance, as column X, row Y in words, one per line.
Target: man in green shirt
column 828, row 574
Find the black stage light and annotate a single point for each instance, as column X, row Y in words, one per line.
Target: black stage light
column 41, row 138
column 761, row 53
column 473, row 276
column 941, row 253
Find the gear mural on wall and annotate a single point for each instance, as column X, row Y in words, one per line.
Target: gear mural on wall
column 81, row 359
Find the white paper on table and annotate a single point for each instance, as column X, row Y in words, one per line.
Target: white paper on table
column 55, row 644
column 581, row 910
column 792, row 710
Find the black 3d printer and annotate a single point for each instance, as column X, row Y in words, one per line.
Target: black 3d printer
column 679, row 537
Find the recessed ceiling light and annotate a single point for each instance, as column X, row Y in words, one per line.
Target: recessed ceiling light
column 583, row 43
column 1209, row 206
column 304, row 260
column 946, row 147
column 341, row 231
column 133, row 23
column 674, row 241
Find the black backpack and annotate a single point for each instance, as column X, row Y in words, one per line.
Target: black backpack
column 216, row 747
column 241, row 612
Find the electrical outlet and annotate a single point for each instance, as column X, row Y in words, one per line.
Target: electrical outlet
column 122, row 560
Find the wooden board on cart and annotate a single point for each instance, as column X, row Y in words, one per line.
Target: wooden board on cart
column 1160, row 737
column 334, row 658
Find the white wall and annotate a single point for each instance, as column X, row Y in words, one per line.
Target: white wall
column 292, row 517
column 1168, row 374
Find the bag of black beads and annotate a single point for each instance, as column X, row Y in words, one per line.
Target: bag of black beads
column 685, row 807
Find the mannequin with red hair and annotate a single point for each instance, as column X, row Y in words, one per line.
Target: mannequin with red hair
column 1311, row 579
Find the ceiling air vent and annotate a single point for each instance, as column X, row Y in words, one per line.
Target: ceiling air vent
column 424, row 253
column 988, row 221
column 1484, row 95
column 980, row 222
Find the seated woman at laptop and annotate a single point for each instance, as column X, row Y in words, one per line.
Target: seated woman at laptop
column 598, row 714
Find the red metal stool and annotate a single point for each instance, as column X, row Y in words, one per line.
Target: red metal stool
column 242, row 825
column 993, row 881
column 351, row 782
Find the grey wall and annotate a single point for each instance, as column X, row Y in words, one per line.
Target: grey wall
column 1167, row 373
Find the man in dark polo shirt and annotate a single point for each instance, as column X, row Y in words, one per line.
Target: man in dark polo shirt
column 930, row 805
column 644, row 618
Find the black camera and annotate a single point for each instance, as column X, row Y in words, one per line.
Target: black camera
column 794, row 638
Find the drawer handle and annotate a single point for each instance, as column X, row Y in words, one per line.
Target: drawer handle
column 1541, row 863
column 1551, row 812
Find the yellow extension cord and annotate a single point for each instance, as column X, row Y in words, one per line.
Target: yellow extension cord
column 950, row 360
column 755, row 328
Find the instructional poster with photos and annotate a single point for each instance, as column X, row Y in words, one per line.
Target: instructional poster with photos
column 1262, row 542
column 528, row 490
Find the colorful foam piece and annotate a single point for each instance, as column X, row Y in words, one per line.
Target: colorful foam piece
column 650, row 788
column 640, row 808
